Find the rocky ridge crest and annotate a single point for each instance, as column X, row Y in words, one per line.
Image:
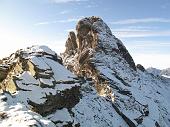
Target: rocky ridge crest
column 103, row 89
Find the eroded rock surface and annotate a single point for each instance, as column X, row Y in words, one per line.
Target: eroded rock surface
column 36, row 79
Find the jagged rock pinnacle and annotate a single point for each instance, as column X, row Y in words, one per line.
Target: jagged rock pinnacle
column 94, row 37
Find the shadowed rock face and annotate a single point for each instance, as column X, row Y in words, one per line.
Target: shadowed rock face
column 65, row 99
column 3, row 72
column 125, row 54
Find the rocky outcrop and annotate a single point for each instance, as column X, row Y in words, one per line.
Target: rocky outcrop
column 33, row 77
column 140, row 67
column 71, row 43
column 102, row 57
column 94, row 38
column 94, row 34
column 87, row 33
column 65, row 99
column 3, row 71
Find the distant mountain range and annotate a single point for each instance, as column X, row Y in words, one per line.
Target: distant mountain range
column 158, row 72
column 94, row 83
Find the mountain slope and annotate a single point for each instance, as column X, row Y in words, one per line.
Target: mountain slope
column 141, row 98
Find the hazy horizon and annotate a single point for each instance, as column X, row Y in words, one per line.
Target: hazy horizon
column 143, row 26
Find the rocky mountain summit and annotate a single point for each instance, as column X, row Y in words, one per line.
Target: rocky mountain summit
column 97, row 54
column 100, row 85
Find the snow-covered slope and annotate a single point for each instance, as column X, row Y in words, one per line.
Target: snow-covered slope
column 166, row 72
column 37, row 90
column 35, row 78
column 141, row 99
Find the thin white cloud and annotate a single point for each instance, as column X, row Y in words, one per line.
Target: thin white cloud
column 58, row 21
column 135, row 28
column 69, row 30
column 69, row 20
column 125, row 33
column 140, row 27
column 142, row 20
column 130, row 30
column 66, row 1
column 42, row 23
column 64, row 12
column 148, row 44
column 92, row 6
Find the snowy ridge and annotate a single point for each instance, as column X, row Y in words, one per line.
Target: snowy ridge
column 13, row 114
column 39, row 91
column 104, row 87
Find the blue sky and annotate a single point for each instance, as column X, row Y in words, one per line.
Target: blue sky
column 142, row 25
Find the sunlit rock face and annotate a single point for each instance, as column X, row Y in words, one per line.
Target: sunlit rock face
column 100, row 86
